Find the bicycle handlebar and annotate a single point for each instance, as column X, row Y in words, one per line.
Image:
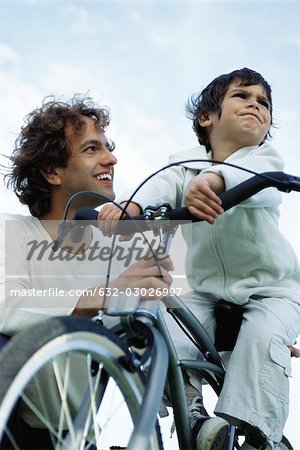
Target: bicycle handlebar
column 280, row 180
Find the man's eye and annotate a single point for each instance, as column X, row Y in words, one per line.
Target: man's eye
column 90, row 149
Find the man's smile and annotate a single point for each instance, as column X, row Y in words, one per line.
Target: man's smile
column 105, row 176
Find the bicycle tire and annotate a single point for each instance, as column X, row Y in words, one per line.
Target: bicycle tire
column 53, row 346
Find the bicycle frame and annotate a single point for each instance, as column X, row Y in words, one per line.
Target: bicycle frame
column 153, row 393
column 163, row 356
column 211, row 368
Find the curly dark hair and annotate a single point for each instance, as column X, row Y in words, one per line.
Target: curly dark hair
column 42, row 146
column 210, row 99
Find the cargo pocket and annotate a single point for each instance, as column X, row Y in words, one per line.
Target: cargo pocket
column 277, row 370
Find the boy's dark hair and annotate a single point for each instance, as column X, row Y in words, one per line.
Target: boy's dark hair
column 210, row 99
column 42, row 146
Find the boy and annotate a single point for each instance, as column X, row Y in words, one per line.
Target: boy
column 240, row 256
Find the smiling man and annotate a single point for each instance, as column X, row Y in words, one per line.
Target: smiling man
column 62, row 149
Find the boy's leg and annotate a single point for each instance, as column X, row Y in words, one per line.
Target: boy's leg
column 256, row 387
column 202, row 306
column 208, row 433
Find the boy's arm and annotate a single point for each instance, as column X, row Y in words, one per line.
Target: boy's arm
column 261, row 159
column 201, row 196
column 167, row 187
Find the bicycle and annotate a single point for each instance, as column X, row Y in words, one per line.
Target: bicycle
column 119, row 354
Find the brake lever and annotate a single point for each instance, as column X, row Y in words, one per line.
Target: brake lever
column 154, row 215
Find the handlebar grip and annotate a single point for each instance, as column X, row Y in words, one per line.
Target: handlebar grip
column 252, row 186
column 243, row 191
column 86, row 213
column 126, row 227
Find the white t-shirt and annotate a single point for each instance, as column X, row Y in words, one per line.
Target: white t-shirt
column 37, row 282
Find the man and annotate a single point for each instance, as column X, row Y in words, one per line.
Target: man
column 62, row 149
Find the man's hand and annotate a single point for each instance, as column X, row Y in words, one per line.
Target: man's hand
column 148, row 277
column 110, row 215
column 201, row 196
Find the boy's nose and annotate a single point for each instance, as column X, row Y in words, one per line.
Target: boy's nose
column 253, row 104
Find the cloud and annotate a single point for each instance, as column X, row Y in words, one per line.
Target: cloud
column 63, row 77
column 8, row 54
column 83, row 21
column 18, row 98
column 159, row 35
column 80, row 20
column 134, row 114
column 161, row 39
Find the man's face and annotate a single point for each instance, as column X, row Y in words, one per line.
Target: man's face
column 90, row 165
column 245, row 116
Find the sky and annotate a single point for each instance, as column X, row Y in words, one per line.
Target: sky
column 144, row 60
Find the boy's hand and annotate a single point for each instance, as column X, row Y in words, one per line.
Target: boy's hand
column 294, row 351
column 201, row 196
column 110, row 214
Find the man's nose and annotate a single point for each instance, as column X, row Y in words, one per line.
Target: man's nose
column 108, row 159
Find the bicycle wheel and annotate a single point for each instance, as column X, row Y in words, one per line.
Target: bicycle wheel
column 67, row 383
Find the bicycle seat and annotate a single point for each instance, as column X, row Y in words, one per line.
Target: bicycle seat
column 229, row 318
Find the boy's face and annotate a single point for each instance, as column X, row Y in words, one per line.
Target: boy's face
column 245, row 117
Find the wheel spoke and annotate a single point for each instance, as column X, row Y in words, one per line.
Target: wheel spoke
column 12, row 439
column 65, row 411
column 93, row 386
column 40, row 416
column 38, row 387
column 94, row 383
column 65, row 387
column 45, row 412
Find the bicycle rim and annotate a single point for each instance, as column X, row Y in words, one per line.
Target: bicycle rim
column 71, row 385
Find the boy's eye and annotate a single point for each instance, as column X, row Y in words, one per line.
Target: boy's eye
column 264, row 103
column 240, row 94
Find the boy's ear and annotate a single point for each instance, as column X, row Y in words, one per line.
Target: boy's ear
column 204, row 120
column 52, row 175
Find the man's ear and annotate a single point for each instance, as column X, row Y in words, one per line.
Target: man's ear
column 52, row 175
column 204, row 120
